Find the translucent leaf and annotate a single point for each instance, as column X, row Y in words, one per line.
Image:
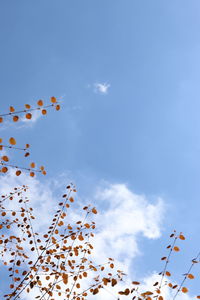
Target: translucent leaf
column 12, row 141
column 5, row 158
column 71, row 199
column 40, row 103
column 12, row 109
column 190, row 276
column 181, row 237
column 32, row 165
column 184, row 290
column 94, row 210
column 28, row 116
column 15, row 118
column 4, row 170
column 53, row 100
column 44, row 111
column 176, row 249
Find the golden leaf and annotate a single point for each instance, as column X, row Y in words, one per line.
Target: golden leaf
column 18, row 172
column 65, row 278
column 176, row 249
column 181, row 237
column 5, row 158
column 12, row 141
column 12, row 109
column 15, row 118
column 53, row 100
column 44, row 111
column 40, row 103
column 71, row 199
column 1, row 120
column 190, row 276
column 94, row 210
column 32, row 174
column 28, row 116
column 32, row 165
column 4, row 170
column 27, row 106
column 57, row 107
column 184, row 290
column 80, row 237
column 113, row 282
column 135, row 282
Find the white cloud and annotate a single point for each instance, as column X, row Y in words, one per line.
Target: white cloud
column 125, row 216
column 101, row 88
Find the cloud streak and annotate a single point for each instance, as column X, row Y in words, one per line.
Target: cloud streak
column 101, row 88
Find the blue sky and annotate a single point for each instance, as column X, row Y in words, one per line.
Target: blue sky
column 144, row 132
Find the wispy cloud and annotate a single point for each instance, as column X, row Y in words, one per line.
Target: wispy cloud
column 101, row 88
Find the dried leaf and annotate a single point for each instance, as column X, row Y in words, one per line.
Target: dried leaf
column 12, row 141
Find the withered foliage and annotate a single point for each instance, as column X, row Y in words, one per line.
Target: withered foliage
column 11, row 143
column 57, row 262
